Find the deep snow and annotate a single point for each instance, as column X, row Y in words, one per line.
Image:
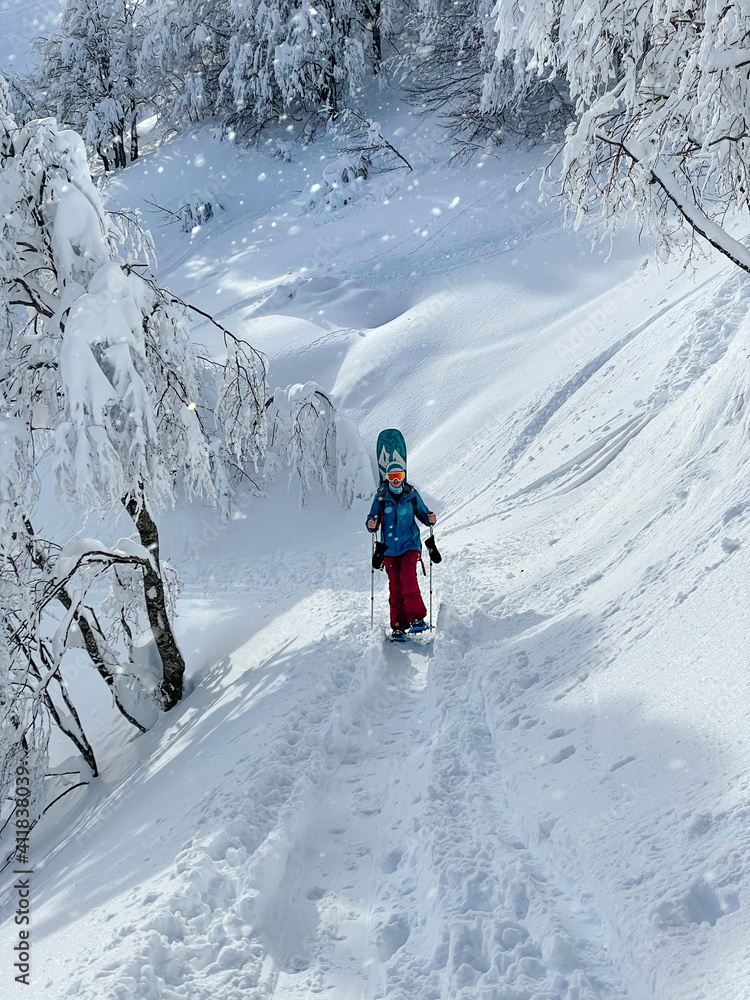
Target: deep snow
column 21, row 22
column 550, row 801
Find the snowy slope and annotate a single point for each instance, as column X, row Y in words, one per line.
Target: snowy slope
column 20, row 23
column 550, row 801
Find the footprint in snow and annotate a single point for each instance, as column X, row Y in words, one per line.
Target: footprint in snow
column 621, row 763
column 563, row 754
column 528, row 681
column 736, row 511
column 700, row 825
column 701, row 904
column 546, row 826
column 390, row 863
column 517, row 900
column 393, row 936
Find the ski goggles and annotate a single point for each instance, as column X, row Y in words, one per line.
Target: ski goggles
column 397, row 476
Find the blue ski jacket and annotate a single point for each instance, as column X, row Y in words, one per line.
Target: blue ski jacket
column 396, row 513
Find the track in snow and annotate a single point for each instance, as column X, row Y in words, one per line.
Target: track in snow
column 334, row 925
column 411, row 881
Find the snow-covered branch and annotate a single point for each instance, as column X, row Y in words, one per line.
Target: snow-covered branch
column 718, row 237
column 318, row 446
column 662, row 95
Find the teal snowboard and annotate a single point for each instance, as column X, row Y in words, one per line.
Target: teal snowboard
column 391, row 449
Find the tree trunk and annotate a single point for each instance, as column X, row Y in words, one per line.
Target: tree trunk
column 88, row 632
column 173, row 665
column 119, row 145
column 377, row 42
column 67, row 720
column 92, row 648
column 134, row 137
column 73, row 728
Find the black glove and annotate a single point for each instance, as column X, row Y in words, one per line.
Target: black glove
column 433, row 550
column 379, row 555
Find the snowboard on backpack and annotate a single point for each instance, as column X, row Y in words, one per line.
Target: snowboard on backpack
column 390, row 450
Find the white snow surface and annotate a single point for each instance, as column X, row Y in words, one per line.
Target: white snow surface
column 547, row 800
column 22, row 21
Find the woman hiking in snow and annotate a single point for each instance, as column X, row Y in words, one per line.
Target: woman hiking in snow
column 396, row 508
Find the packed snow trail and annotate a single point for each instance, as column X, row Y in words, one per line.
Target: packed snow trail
column 260, row 753
column 400, row 873
column 472, row 912
column 339, row 884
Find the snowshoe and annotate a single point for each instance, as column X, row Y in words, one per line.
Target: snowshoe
column 398, row 635
column 419, row 625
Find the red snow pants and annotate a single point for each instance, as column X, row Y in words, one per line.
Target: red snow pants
column 405, row 598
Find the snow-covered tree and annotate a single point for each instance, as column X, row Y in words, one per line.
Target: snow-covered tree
column 318, row 447
column 662, row 99
column 303, row 55
column 99, row 381
column 97, row 378
column 105, row 398
column 452, row 70
column 183, row 55
column 89, row 75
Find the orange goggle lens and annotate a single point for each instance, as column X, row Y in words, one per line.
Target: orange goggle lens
column 396, row 477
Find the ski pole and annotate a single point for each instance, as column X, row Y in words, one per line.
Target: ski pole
column 430, row 584
column 372, row 584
